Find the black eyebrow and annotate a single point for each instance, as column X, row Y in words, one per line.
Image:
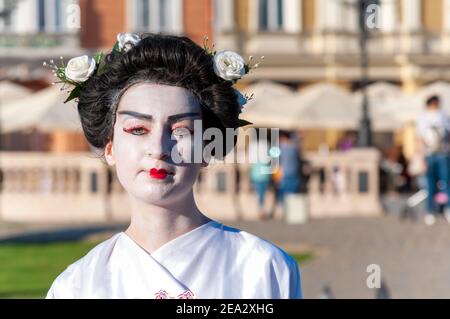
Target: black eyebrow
column 138, row 115
column 177, row 117
column 148, row 117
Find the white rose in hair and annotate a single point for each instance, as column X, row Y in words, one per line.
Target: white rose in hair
column 127, row 40
column 229, row 65
column 79, row 69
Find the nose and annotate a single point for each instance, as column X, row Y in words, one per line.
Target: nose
column 159, row 143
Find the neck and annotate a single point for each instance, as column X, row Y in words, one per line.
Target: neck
column 154, row 225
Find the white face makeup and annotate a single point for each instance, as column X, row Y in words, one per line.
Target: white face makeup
column 152, row 121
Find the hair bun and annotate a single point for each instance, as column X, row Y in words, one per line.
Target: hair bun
column 163, row 59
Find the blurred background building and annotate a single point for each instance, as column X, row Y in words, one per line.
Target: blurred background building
column 32, row 31
column 309, row 83
column 305, row 42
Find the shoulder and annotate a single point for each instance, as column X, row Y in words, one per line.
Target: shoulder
column 255, row 245
column 260, row 254
column 70, row 279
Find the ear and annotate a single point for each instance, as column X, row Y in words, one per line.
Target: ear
column 109, row 154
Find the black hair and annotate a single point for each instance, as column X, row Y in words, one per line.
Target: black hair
column 160, row 59
column 432, row 100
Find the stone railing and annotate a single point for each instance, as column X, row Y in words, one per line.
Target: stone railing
column 43, row 187
column 78, row 187
column 344, row 184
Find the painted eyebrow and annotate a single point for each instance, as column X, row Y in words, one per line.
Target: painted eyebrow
column 148, row 117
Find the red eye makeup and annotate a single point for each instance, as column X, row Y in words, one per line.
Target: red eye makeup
column 135, row 128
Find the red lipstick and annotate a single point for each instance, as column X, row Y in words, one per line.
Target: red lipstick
column 159, row 173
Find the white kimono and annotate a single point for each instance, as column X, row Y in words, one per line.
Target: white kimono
column 211, row 261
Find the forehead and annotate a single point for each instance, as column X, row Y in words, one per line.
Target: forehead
column 158, row 99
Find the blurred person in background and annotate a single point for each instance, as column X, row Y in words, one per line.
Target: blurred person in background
column 348, row 141
column 287, row 177
column 260, row 174
column 394, row 171
column 433, row 128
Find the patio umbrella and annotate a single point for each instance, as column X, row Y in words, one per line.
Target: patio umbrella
column 10, row 91
column 43, row 110
column 327, row 106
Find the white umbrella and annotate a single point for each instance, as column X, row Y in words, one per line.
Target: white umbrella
column 273, row 105
column 326, row 106
column 320, row 106
column 10, row 91
column 386, row 105
column 409, row 108
column 380, row 92
column 43, row 110
column 266, row 89
column 277, row 112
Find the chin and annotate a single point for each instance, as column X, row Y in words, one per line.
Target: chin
column 158, row 194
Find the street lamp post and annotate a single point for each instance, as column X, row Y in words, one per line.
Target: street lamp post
column 365, row 130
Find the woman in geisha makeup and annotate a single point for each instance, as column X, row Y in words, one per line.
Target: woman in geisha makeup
column 141, row 110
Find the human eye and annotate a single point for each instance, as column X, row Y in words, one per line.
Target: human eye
column 181, row 132
column 141, row 130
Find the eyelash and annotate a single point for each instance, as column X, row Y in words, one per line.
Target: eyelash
column 132, row 129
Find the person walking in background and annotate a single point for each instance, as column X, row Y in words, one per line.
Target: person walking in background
column 260, row 174
column 433, row 128
column 288, row 181
column 347, row 142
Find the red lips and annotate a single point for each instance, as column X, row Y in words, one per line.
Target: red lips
column 159, row 173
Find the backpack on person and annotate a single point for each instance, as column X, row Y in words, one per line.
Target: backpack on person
column 435, row 139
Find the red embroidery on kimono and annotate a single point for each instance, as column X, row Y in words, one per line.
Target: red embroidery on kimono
column 162, row 294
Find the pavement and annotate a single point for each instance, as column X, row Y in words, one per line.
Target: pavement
column 413, row 259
